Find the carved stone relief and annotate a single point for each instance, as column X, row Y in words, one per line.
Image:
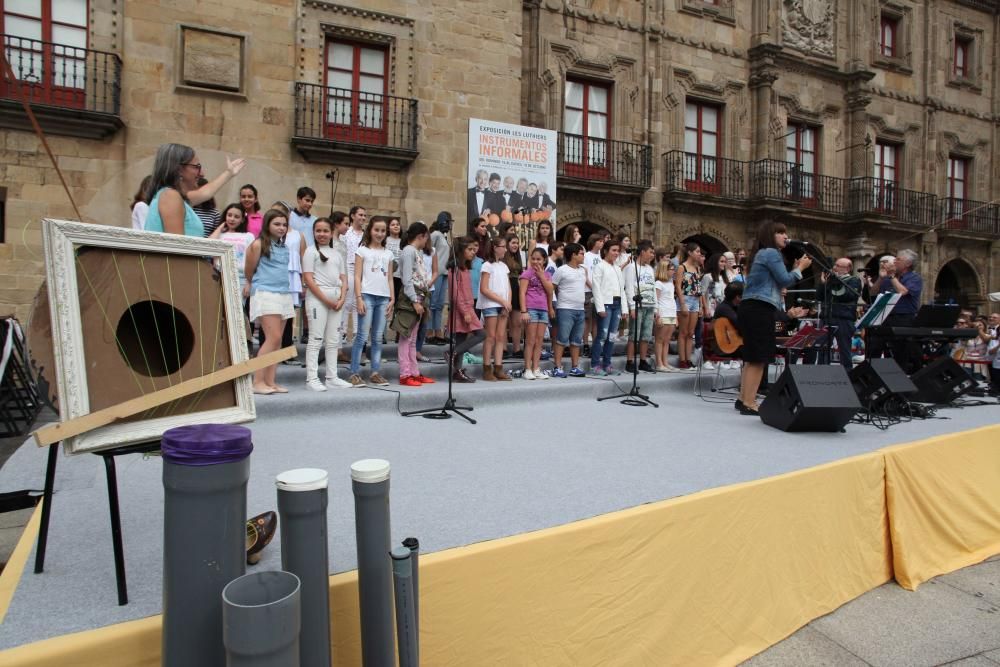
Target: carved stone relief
column 808, row 25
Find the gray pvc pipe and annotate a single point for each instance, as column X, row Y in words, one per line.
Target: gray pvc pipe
column 402, row 576
column 262, row 620
column 413, row 544
column 204, row 543
column 370, row 481
column 302, row 503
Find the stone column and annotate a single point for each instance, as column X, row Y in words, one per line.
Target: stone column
column 763, row 74
column 929, row 261
column 859, row 155
column 860, row 249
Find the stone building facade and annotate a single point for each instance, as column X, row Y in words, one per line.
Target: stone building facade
column 866, row 124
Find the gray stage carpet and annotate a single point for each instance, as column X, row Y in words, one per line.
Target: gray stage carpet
column 543, row 454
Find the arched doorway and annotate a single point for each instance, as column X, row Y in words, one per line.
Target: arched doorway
column 709, row 244
column 586, row 229
column 956, row 282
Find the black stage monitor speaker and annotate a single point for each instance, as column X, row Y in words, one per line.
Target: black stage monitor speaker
column 810, row 398
column 941, row 381
column 877, row 380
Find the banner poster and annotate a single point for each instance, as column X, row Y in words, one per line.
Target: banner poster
column 512, row 175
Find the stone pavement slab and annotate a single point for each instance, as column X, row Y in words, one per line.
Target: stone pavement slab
column 973, row 661
column 810, row 647
column 993, row 655
column 935, row 624
column 982, row 581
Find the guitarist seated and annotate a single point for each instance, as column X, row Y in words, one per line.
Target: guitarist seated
column 726, row 323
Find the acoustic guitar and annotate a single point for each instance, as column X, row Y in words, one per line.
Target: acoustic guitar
column 727, row 338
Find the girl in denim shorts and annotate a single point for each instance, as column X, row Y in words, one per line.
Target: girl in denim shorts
column 536, row 304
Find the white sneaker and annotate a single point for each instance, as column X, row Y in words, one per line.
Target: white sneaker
column 315, row 385
column 336, row 383
column 528, row 375
column 539, row 375
column 708, row 366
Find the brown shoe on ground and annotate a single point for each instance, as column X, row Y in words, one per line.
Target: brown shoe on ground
column 500, row 374
column 488, row 374
column 462, row 377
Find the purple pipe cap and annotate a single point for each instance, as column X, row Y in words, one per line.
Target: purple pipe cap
column 206, row 444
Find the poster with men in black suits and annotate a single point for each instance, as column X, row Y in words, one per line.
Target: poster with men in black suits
column 512, row 169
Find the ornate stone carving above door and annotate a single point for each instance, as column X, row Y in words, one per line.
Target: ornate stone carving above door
column 808, row 25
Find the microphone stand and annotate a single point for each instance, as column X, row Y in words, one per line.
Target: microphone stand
column 332, row 177
column 633, row 396
column 450, row 406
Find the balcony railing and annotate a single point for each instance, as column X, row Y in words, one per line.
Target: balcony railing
column 786, row 181
column 66, row 77
column 710, row 180
column 883, row 198
column 353, row 126
column 969, row 215
column 710, row 176
column 619, row 163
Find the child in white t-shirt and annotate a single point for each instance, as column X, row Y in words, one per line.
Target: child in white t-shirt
column 495, row 303
column 571, row 281
column 375, row 296
column 666, row 314
column 325, row 275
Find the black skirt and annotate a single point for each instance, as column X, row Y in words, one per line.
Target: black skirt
column 757, row 329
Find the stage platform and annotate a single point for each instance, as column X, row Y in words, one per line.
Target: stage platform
column 546, row 465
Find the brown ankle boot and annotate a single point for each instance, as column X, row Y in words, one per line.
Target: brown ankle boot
column 488, row 373
column 500, row 374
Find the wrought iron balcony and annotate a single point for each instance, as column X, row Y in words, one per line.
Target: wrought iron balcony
column 709, row 177
column 787, row 181
column 586, row 162
column 353, row 127
column 697, row 180
column 875, row 197
column 968, row 215
column 73, row 91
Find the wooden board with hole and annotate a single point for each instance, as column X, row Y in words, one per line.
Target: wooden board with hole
column 136, row 312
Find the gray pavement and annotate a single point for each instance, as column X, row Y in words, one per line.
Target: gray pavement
column 953, row 619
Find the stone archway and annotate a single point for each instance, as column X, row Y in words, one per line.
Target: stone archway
column 710, row 244
column 586, row 227
column 957, row 282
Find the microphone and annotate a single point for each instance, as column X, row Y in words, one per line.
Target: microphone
column 521, row 210
column 796, row 242
column 807, row 301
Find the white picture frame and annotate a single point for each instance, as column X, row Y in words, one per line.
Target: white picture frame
column 60, row 239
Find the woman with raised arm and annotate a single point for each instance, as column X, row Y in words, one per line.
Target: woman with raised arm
column 174, row 190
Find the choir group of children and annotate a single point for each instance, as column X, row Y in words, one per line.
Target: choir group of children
column 352, row 274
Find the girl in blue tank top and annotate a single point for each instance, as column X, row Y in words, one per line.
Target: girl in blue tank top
column 266, row 271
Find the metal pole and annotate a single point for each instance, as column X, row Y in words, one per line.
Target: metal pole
column 370, row 481
column 302, row 503
column 402, row 576
column 413, row 544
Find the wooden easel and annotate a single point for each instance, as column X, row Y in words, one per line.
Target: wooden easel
column 51, row 436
